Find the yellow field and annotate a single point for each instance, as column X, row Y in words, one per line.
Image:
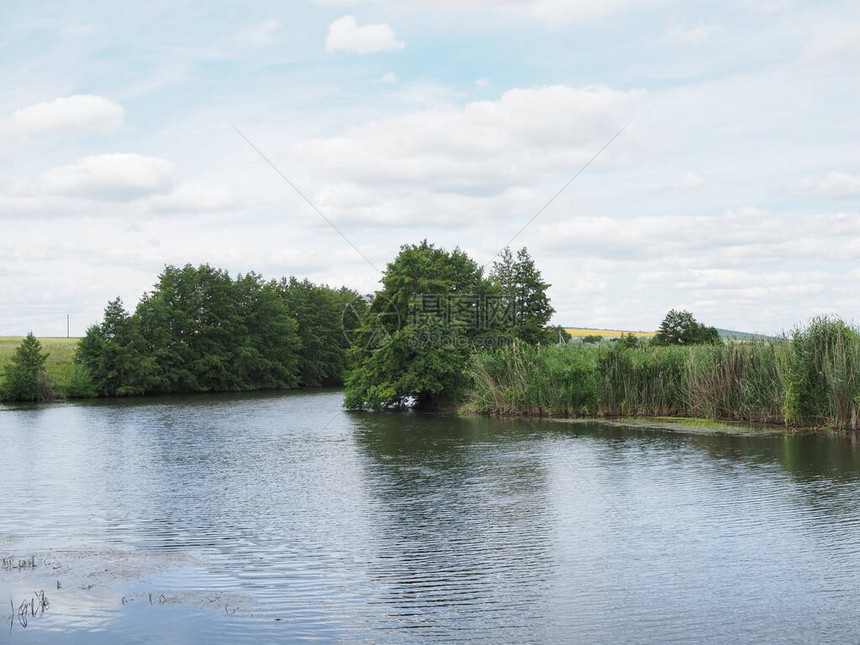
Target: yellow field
column 609, row 333
column 60, row 352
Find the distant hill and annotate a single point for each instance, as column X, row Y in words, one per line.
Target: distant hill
column 740, row 335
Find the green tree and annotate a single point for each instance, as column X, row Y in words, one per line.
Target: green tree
column 319, row 311
column 207, row 332
column 114, row 354
column 628, row 340
column 25, row 378
column 523, row 292
column 411, row 347
column 681, row 328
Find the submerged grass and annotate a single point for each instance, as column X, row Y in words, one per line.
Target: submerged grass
column 808, row 378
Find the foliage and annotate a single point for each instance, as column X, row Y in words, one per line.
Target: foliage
column 25, row 378
column 823, row 376
column 318, row 310
column 627, row 340
column 419, row 363
column 199, row 330
column 59, row 365
column 592, row 339
column 556, row 334
column 409, row 348
column 523, row 292
column 114, row 356
column 681, row 328
column 809, row 379
column 538, row 380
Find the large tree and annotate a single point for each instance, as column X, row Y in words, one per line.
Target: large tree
column 25, row 378
column 418, row 332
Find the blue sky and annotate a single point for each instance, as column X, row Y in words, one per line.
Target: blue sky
column 734, row 192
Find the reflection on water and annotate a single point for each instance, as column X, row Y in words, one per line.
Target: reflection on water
column 282, row 517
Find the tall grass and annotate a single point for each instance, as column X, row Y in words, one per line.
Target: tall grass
column 809, row 377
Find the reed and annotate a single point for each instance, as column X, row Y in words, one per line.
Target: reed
column 807, row 378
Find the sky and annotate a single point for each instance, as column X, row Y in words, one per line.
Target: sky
column 732, row 192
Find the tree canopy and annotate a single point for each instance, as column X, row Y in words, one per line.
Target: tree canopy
column 434, row 309
column 523, row 293
column 200, row 330
column 681, row 328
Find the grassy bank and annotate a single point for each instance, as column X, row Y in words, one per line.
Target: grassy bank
column 60, row 367
column 809, row 378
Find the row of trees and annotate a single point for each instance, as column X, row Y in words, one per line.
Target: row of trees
column 200, row 330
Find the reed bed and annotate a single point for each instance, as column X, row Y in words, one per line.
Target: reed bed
column 806, row 378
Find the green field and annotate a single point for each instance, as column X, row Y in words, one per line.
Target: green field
column 61, row 352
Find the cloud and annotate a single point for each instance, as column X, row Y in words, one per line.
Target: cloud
column 345, row 35
column 108, row 177
column 389, row 77
column 195, row 197
column 259, row 35
column 78, row 114
column 691, row 181
column 558, row 13
column 483, row 82
column 481, row 149
column 114, row 185
column 834, row 184
column 833, row 40
column 684, row 35
column 737, row 238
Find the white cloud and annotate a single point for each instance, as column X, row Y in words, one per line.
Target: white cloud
column 481, row 149
column 736, row 239
column 78, row 114
column 389, row 77
column 833, row 40
column 691, row 181
column 123, row 185
column 345, row 35
column 259, row 35
column 834, row 184
column 483, row 82
column 195, row 198
column 109, row 177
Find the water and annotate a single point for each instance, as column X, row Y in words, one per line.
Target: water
column 278, row 518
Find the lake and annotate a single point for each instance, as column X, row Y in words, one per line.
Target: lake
column 282, row 517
